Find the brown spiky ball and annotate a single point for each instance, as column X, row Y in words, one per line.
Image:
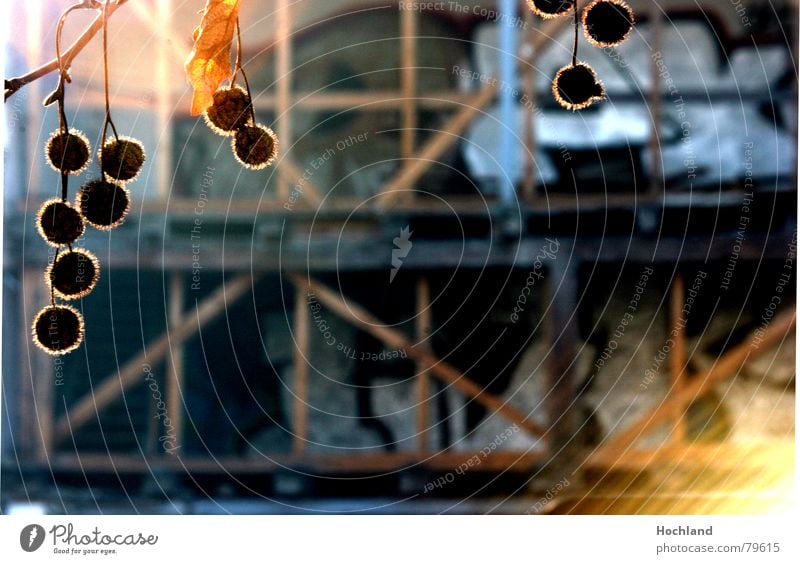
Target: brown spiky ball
column 74, row 274
column 59, row 223
column 255, row 146
column 547, row 9
column 121, row 159
column 58, row 329
column 230, row 111
column 576, row 87
column 102, row 204
column 67, row 152
column 607, row 23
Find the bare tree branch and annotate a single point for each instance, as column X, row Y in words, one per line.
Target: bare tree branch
column 14, row 84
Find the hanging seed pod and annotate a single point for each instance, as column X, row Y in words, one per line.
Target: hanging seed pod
column 58, row 329
column 607, row 23
column 74, row 274
column 576, row 87
column 230, row 111
column 59, row 223
column 255, row 146
column 548, row 9
column 68, row 152
column 121, row 159
column 102, row 204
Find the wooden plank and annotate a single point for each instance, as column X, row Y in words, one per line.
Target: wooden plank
column 724, row 367
column 408, row 81
column 424, row 323
column 677, row 357
column 360, row 317
column 300, row 384
column 175, row 361
column 562, row 327
column 284, row 84
column 114, row 385
column 497, row 461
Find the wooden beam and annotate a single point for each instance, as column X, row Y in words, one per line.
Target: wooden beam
column 284, row 79
column 175, row 361
column 300, row 384
column 562, row 326
column 424, row 323
column 291, row 175
column 435, row 147
column 361, row 318
column 529, row 127
column 451, row 132
column 114, row 385
column 725, row 366
column 677, row 357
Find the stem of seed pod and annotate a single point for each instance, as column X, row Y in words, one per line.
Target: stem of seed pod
column 108, row 121
column 240, row 69
column 577, row 28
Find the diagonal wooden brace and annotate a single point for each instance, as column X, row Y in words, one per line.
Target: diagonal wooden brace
column 361, row 318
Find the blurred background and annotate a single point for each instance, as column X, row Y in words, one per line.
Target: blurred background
column 448, row 295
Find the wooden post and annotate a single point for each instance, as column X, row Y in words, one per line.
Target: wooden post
column 529, row 127
column 408, row 80
column 164, row 81
column 424, row 323
column 562, row 285
column 301, row 350
column 677, row 358
column 284, row 83
column 655, row 102
column 175, row 359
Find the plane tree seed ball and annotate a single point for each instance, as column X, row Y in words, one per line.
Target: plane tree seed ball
column 59, row 223
column 255, row 146
column 607, row 23
column 122, row 159
column 68, row 152
column 74, row 274
column 102, row 204
column 230, row 111
column 551, row 8
column 58, row 329
column 576, row 87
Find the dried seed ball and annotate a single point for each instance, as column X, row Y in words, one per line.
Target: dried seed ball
column 576, row 87
column 58, row 329
column 102, row 204
column 59, row 223
column 255, row 146
column 551, row 8
column 607, row 23
column 74, row 274
column 121, row 158
column 229, row 112
column 68, row 152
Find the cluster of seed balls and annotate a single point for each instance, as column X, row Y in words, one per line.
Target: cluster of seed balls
column 101, row 203
column 254, row 146
column 606, row 23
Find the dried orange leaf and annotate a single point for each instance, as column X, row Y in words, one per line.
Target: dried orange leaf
column 209, row 62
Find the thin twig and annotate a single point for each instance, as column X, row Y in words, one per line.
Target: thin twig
column 14, row 84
